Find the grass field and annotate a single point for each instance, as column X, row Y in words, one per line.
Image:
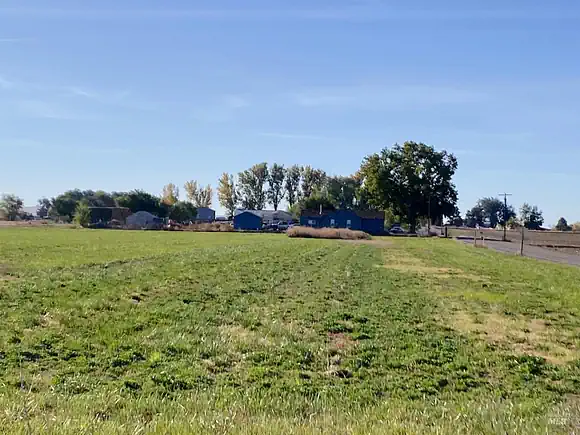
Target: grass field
column 155, row 332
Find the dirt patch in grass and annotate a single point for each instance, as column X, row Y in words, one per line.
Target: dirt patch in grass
column 522, row 336
column 415, row 266
column 6, row 273
column 341, row 342
column 47, row 320
column 339, row 346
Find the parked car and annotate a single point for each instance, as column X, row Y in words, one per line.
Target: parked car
column 397, row 230
column 283, row 226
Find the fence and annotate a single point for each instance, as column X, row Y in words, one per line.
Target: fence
column 560, row 239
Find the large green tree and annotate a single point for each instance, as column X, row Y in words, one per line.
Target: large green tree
column 44, row 205
column 276, row 190
column 198, row 195
column 11, row 205
column 292, row 184
column 101, row 199
column 251, row 184
column 562, row 225
column 313, row 181
column 182, row 211
column 139, row 200
column 227, row 193
column 475, row 216
column 170, row 194
column 531, row 216
column 66, row 203
column 316, row 202
column 343, row 191
column 489, row 211
column 411, row 179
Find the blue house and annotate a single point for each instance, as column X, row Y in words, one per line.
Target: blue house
column 254, row 220
column 372, row 222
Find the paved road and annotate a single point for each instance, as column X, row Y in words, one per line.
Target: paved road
column 533, row 252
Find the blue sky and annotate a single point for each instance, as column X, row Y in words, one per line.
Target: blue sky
column 126, row 94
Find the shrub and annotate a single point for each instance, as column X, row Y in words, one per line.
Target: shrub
column 327, row 233
column 82, row 215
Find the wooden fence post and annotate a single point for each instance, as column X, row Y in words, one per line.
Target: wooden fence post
column 522, row 243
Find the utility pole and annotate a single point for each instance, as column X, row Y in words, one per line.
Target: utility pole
column 505, row 195
column 429, row 221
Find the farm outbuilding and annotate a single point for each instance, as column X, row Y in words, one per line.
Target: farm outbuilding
column 254, row 220
column 144, row 219
column 372, row 222
column 248, row 220
column 205, row 214
column 107, row 214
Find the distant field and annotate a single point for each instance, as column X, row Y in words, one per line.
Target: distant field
column 539, row 238
column 155, row 332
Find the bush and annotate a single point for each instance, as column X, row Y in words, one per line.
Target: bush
column 210, row 228
column 327, row 233
column 82, row 215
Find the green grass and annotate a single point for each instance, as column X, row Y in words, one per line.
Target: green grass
column 155, row 332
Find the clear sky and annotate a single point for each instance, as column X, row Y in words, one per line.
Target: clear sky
column 124, row 94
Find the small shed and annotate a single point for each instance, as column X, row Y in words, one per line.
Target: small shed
column 248, row 220
column 256, row 219
column 144, row 219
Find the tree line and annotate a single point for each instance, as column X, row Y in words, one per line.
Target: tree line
column 301, row 187
column 77, row 203
column 493, row 212
column 411, row 182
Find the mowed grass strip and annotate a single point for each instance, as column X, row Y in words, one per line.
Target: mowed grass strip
column 265, row 334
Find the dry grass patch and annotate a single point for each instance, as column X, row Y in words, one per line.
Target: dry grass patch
column 418, row 267
column 522, row 336
column 327, row 233
column 239, row 335
column 339, row 346
column 340, row 342
column 47, row 320
column 209, row 228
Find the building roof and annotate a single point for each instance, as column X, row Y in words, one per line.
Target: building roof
column 267, row 214
column 143, row 213
column 363, row 214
